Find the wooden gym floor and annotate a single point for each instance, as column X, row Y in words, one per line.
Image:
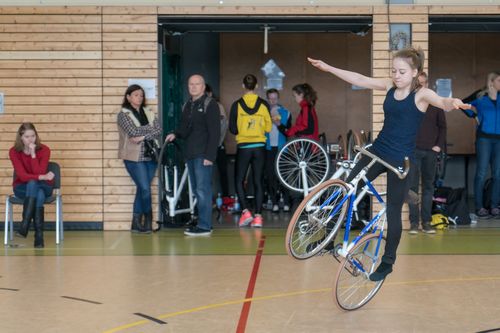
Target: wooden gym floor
column 242, row 281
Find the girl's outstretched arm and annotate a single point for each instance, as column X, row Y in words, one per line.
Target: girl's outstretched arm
column 447, row 104
column 352, row 77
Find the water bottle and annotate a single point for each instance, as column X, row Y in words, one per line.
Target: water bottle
column 218, row 201
column 269, row 204
column 236, row 204
column 281, row 203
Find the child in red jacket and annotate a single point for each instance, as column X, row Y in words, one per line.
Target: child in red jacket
column 306, row 125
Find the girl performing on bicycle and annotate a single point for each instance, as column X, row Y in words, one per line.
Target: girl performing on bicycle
column 404, row 106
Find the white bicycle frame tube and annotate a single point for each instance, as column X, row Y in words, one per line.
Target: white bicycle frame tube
column 177, row 191
column 304, row 178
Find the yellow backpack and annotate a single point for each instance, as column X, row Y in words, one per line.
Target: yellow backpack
column 439, row 222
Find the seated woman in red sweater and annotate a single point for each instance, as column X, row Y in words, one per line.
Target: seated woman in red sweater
column 306, row 125
column 32, row 183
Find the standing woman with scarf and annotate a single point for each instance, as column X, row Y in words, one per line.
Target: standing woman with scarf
column 139, row 131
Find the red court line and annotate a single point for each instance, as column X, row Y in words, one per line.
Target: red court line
column 245, row 310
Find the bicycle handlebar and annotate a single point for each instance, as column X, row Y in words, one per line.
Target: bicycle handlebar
column 400, row 174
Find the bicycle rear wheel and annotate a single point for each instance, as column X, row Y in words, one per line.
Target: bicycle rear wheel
column 353, row 139
column 301, row 157
column 353, row 288
column 317, row 219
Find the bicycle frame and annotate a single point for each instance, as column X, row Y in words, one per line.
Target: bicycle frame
column 372, row 226
column 173, row 193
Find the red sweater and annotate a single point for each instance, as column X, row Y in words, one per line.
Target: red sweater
column 306, row 125
column 28, row 168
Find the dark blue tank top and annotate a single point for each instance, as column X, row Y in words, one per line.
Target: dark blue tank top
column 402, row 121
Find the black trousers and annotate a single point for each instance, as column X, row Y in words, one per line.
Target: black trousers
column 256, row 158
column 221, row 161
column 397, row 190
column 271, row 178
column 423, row 166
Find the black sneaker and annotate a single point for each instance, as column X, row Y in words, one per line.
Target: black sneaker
column 381, row 272
column 413, row 229
column 483, row 214
column 197, row 232
column 426, row 228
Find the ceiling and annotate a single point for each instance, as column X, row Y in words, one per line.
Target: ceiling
column 464, row 23
column 182, row 24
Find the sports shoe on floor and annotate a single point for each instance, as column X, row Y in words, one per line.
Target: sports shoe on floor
column 483, row 213
column 428, row 229
column 276, row 208
column 257, row 221
column 381, row 272
column 413, row 229
column 286, row 208
column 495, row 212
column 197, row 232
column 245, row 218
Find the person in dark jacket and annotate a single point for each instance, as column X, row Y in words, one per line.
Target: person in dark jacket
column 486, row 110
column 200, row 128
column 431, row 139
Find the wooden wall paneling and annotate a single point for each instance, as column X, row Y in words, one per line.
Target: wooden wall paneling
column 476, row 57
column 51, row 75
column 129, row 51
column 339, row 108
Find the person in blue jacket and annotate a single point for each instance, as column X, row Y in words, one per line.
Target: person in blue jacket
column 486, row 110
column 275, row 140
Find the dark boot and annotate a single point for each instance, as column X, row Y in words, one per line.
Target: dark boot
column 148, row 222
column 28, row 213
column 39, row 220
column 136, row 223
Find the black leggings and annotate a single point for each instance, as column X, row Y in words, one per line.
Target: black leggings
column 397, row 190
column 244, row 158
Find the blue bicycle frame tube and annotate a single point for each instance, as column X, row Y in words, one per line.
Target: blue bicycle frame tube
column 338, row 207
column 374, row 191
column 327, row 202
column 349, row 215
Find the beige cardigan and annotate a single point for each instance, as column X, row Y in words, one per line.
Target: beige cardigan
column 128, row 150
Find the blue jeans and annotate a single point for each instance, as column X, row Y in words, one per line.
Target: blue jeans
column 38, row 189
column 201, row 182
column 487, row 152
column 142, row 174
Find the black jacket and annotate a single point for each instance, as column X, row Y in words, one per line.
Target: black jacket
column 200, row 129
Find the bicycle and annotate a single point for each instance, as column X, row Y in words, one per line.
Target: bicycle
column 317, row 220
column 303, row 164
column 173, row 190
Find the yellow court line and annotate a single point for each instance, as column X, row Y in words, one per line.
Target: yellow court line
column 294, row 293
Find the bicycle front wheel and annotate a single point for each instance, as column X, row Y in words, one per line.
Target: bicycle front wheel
column 302, row 163
column 353, row 288
column 317, row 219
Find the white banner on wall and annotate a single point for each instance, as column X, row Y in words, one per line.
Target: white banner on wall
column 149, row 86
